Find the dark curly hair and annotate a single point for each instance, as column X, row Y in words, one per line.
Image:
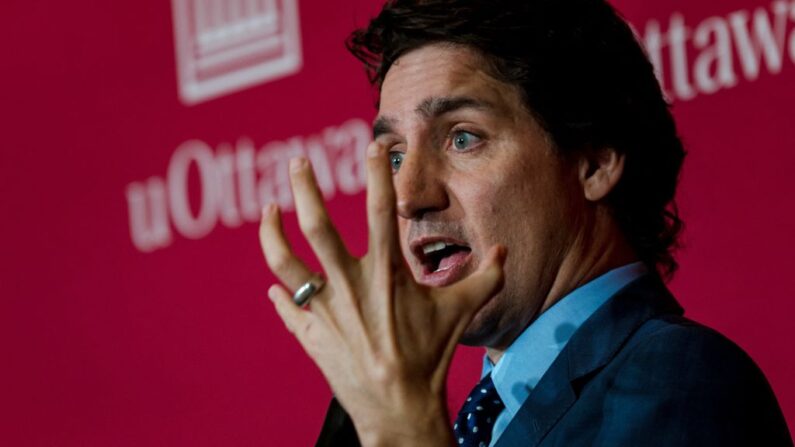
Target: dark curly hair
column 583, row 76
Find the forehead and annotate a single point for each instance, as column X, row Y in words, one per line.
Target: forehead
column 443, row 71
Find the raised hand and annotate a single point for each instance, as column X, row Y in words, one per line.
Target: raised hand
column 383, row 342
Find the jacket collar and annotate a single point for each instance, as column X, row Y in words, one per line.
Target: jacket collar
column 596, row 343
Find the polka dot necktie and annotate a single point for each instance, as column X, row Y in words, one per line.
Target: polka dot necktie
column 476, row 418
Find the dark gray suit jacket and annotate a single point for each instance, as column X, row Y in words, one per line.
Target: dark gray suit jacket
column 637, row 373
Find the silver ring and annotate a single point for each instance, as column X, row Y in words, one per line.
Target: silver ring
column 304, row 294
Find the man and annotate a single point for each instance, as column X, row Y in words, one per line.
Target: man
column 520, row 197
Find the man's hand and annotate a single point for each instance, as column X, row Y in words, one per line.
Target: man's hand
column 383, row 342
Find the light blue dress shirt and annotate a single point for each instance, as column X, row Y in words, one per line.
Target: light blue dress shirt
column 532, row 353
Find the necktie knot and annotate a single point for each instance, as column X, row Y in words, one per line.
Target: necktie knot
column 476, row 418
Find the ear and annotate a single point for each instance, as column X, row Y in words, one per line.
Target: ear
column 599, row 172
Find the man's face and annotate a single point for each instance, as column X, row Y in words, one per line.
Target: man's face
column 472, row 169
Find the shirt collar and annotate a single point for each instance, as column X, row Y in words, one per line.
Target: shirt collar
column 531, row 354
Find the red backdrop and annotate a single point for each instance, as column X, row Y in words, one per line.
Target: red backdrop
column 139, row 139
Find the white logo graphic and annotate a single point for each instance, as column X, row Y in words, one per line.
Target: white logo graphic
column 721, row 51
column 237, row 180
column 227, row 45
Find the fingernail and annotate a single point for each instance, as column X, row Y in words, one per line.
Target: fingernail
column 502, row 252
column 271, row 294
column 297, row 163
column 268, row 209
column 373, row 150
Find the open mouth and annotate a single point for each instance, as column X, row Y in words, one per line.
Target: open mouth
column 439, row 256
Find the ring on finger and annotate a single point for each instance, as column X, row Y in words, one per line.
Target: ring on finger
column 303, row 295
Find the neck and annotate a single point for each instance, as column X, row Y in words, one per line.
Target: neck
column 598, row 248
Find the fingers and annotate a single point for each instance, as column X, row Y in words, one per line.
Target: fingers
column 472, row 292
column 296, row 320
column 381, row 214
column 314, row 220
column 278, row 254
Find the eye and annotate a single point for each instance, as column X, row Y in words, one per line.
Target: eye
column 463, row 140
column 395, row 159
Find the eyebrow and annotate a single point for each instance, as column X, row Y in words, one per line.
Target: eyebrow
column 437, row 106
column 383, row 125
column 433, row 107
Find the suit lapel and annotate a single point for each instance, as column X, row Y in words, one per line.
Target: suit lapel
column 550, row 400
column 596, row 342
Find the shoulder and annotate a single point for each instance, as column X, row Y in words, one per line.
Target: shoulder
column 679, row 374
column 672, row 348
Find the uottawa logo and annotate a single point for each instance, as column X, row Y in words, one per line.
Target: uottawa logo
column 228, row 45
column 235, row 180
column 720, row 51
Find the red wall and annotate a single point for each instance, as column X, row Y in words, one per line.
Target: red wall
column 131, row 321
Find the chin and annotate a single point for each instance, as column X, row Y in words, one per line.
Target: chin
column 484, row 329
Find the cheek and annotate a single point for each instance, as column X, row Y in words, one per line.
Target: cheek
column 485, row 210
column 519, row 207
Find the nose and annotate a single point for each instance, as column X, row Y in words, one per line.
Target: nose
column 420, row 186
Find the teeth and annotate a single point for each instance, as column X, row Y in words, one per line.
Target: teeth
column 436, row 246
